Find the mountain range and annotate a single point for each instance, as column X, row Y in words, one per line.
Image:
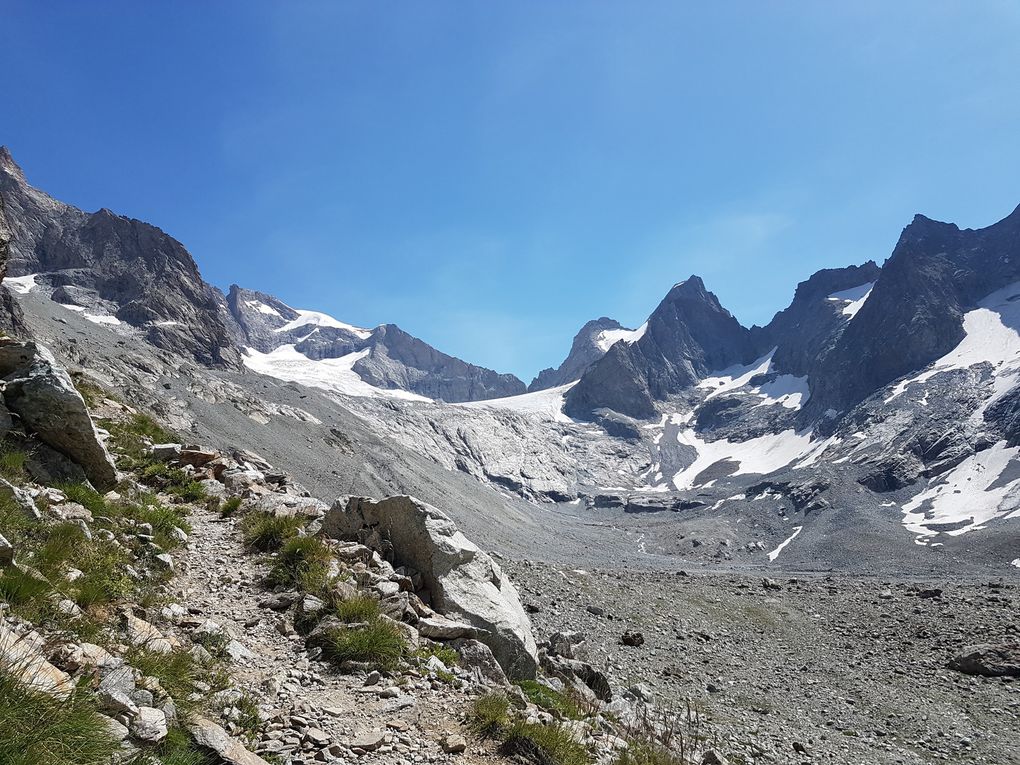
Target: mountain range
column 875, row 419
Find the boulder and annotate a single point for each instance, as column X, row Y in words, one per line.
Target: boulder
column 990, row 660
column 41, row 392
column 464, row 582
column 149, row 725
column 21, row 656
column 209, row 735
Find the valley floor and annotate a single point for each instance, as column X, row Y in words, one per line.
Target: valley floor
column 849, row 670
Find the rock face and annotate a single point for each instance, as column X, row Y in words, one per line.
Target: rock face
column 687, row 336
column 42, row 394
column 20, row 655
column 590, row 344
column 11, row 320
column 387, row 357
column 465, row 583
column 121, row 268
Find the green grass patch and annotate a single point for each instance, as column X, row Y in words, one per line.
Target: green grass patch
column 444, row 653
column 177, row 672
column 37, row 728
column 380, row 644
column 177, row 749
column 544, row 745
column 302, row 562
column 549, row 699
column 230, row 507
column 489, row 715
column 132, row 437
column 648, row 753
column 266, row 532
column 360, row 608
column 12, row 463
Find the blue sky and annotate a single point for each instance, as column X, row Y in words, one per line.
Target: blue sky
column 491, row 175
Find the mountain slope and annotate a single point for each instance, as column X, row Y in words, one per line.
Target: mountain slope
column 115, row 269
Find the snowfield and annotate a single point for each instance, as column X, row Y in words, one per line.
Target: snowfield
column 336, row 375
column 315, row 319
column 853, row 298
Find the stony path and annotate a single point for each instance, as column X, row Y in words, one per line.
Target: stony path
column 314, row 714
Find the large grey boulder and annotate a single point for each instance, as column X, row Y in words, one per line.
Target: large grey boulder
column 990, row 660
column 209, row 735
column 41, row 392
column 464, row 582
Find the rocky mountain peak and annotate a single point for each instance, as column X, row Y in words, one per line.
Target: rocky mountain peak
column 8, row 165
column 590, row 343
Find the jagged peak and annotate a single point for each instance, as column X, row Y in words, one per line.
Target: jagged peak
column 8, row 165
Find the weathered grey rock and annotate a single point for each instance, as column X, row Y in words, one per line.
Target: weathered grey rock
column 477, row 658
column 465, row 583
column 211, row 736
column 21, row 656
column 42, row 394
column 453, row 743
column 991, row 660
column 20, row 497
column 149, row 725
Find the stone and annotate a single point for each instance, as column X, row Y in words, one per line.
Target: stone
column 141, row 633
column 989, row 660
column 21, row 498
column 566, row 644
column 21, row 656
column 209, row 735
column 632, row 639
column 165, row 452
column 42, row 394
column 367, row 741
column 477, row 658
column 117, row 701
column 712, row 757
column 465, row 583
column 438, row 628
column 149, row 725
column 453, row 743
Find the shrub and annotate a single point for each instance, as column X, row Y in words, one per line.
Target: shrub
column 266, row 532
column 38, row 728
column 544, row 744
column 360, row 608
column 379, row 643
column 489, row 715
column 303, row 562
column 230, row 506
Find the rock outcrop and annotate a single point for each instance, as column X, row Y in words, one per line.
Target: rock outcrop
column 41, row 393
column 465, row 583
column 590, row 344
column 998, row 660
column 124, row 268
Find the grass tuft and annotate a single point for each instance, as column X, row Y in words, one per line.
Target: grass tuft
column 12, row 463
column 489, row 715
column 544, row 744
column 38, row 728
column 380, row 643
column 266, row 532
column 303, row 562
column 549, row 699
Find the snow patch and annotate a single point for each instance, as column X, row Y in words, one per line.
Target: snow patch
column 853, row 297
column 110, row 321
column 21, row 284
column 607, row 338
column 787, row 390
column 967, row 496
column 775, row 553
column 336, row 375
column 992, row 335
column 258, row 305
column 763, row 454
column 546, row 403
column 317, row 319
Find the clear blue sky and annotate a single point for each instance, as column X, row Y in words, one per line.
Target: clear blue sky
column 491, row 175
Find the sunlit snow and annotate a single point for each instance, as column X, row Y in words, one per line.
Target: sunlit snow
column 337, row 375
column 775, row 553
column 547, row 403
column 607, row 338
column 853, row 297
column 258, row 305
column 763, row 454
column 21, row 284
column 992, row 335
column 974, row 492
column 317, row 319
column 787, row 390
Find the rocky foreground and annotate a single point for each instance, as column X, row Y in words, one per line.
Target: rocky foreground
column 800, row 670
